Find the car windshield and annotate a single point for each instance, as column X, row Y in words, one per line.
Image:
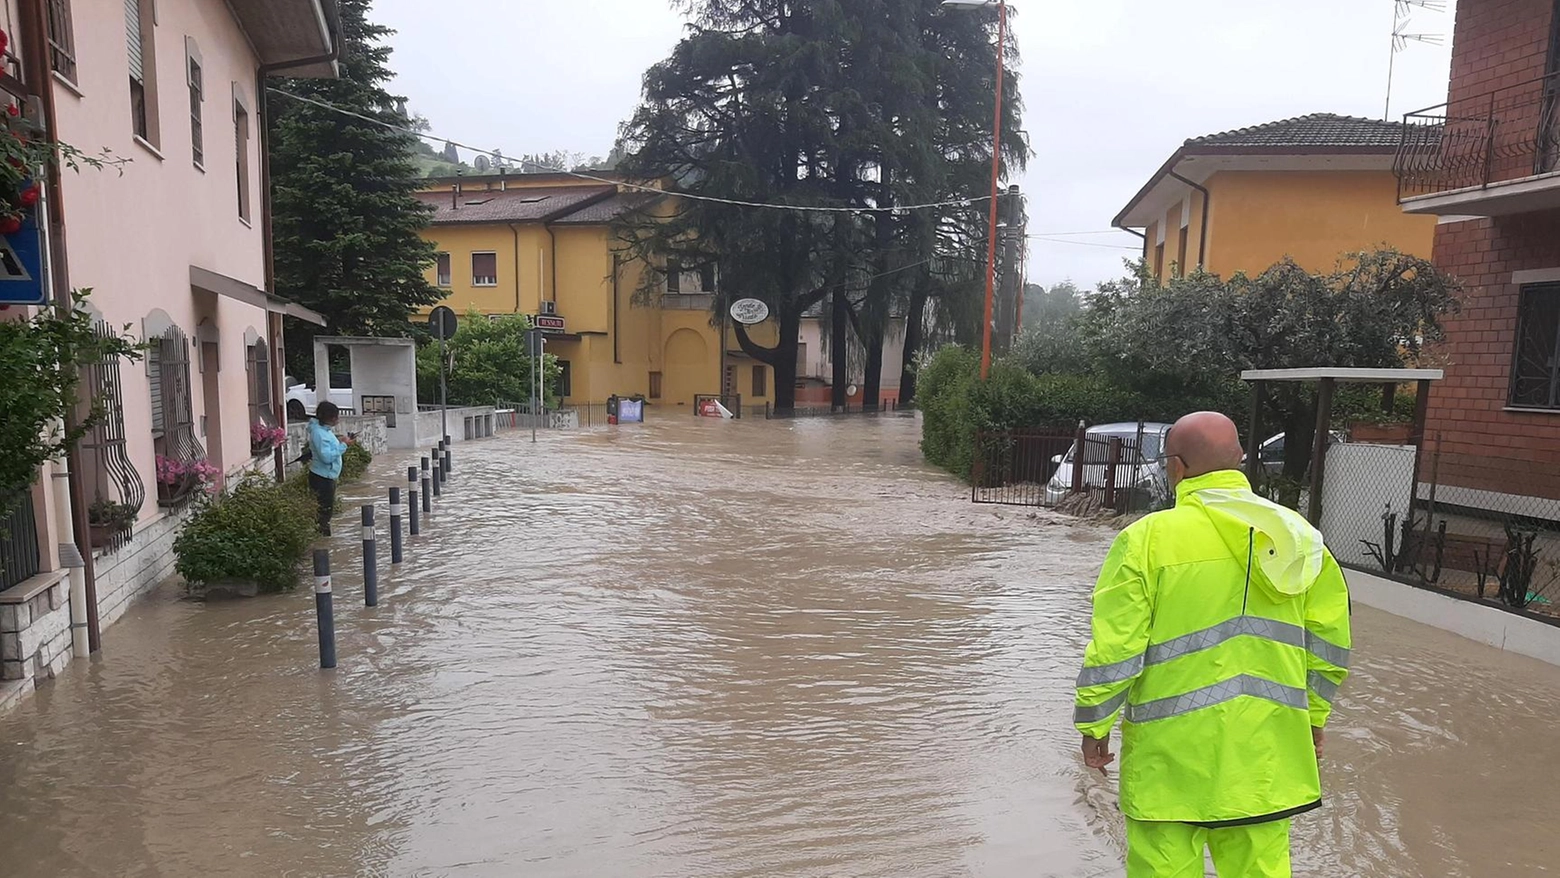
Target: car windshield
column 1097, row 449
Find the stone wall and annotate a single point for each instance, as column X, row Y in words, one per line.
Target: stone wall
column 465, row 424
column 137, row 567
column 370, row 431
column 34, row 634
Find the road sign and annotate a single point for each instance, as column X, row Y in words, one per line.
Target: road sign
column 21, row 266
column 535, row 343
column 442, row 323
column 749, row 311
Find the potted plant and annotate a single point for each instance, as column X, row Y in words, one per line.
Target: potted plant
column 177, row 480
column 1384, row 428
column 108, row 520
column 264, row 438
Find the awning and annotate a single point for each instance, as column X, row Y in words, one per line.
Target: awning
column 237, row 290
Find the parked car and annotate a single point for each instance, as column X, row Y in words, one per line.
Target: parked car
column 1144, row 471
column 1271, row 453
column 340, row 392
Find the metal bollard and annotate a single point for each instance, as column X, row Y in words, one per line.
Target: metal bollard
column 370, row 559
column 397, row 550
column 324, row 608
column 448, row 468
column 438, row 479
column 411, row 500
column 427, row 492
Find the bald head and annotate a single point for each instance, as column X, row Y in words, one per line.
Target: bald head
column 1205, row 442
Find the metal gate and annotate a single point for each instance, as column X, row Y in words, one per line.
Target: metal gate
column 1013, row 467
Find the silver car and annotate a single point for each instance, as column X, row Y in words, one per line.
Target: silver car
column 1143, row 471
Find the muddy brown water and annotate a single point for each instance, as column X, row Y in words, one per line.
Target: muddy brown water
column 707, row 649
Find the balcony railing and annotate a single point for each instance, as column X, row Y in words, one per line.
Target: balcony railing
column 1476, row 142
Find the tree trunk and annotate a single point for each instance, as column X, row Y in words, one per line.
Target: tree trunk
column 872, row 384
column 839, row 338
column 913, row 331
column 1299, row 431
column 782, row 359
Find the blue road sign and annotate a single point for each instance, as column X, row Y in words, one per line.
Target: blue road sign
column 21, row 266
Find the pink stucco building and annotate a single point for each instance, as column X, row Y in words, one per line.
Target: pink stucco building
column 172, row 244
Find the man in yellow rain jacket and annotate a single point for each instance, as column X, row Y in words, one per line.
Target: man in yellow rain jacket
column 1221, row 631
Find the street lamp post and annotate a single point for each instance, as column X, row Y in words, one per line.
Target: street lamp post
column 996, row 172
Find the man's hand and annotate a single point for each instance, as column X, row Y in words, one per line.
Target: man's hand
column 1318, row 738
column 1096, row 753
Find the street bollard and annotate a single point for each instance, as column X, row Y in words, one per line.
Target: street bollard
column 370, row 559
column 324, row 608
column 427, row 492
column 438, row 478
column 411, row 500
column 397, row 548
column 448, row 467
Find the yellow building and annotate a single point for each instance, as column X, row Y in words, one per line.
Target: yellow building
column 542, row 245
column 1312, row 188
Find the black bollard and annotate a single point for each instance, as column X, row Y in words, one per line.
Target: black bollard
column 427, row 492
column 324, row 608
column 397, row 551
column 438, row 479
column 448, row 468
column 370, row 559
column 411, row 500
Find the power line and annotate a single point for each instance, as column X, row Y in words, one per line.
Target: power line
column 1082, row 243
column 963, row 202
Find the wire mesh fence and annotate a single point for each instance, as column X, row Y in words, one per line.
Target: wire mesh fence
column 1464, row 524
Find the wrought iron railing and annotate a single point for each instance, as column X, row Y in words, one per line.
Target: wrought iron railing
column 18, row 540
column 117, row 490
column 1474, row 142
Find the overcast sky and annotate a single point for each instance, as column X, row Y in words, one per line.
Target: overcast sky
column 1111, row 87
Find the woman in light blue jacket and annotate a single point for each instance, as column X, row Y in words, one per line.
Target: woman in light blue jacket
column 325, row 462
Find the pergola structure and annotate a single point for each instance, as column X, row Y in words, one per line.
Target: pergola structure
column 1327, row 380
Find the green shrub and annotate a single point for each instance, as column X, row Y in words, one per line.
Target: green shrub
column 259, row 533
column 354, row 463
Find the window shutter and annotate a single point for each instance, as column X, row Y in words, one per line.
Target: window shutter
column 154, row 380
column 133, row 40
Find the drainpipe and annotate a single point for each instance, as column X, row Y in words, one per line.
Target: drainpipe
column 617, row 352
column 37, row 71
column 515, row 230
column 1202, row 241
column 71, row 558
column 552, row 259
column 274, row 323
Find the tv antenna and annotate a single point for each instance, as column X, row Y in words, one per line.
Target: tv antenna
column 1401, row 10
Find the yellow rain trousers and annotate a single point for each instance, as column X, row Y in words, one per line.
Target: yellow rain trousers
column 1220, row 638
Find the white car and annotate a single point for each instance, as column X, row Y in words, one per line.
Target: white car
column 1144, row 471
column 341, row 396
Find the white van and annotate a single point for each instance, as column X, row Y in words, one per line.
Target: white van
column 1144, row 471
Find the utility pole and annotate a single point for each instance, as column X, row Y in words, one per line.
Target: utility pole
column 1013, row 231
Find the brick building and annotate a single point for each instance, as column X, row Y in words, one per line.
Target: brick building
column 1487, row 164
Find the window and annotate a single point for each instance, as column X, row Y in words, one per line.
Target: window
column 443, row 269
column 684, row 281
column 62, row 41
column 1535, row 377
column 484, row 269
column 655, row 385
column 258, row 367
column 1180, row 259
column 197, row 97
column 565, row 386
column 673, row 277
column 1159, row 263
column 109, row 474
column 140, row 45
column 173, row 419
column 760, row 382
column 241, row 138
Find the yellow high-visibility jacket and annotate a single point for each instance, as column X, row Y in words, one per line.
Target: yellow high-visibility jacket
column 1221, row 630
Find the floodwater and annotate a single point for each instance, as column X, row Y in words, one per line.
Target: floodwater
column 704, row 648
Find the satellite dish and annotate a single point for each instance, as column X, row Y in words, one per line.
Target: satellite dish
column 749, row 311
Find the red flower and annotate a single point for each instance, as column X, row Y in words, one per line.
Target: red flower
column 10, row 224
column 13, row 111
column 31, row 194
column 4, row 42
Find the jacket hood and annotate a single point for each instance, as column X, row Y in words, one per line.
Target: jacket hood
column 1287, row 551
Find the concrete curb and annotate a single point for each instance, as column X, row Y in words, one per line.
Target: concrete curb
column 1477, row 622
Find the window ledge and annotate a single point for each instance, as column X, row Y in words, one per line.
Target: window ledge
column 199, row 167
column 68, row 85
column 28, row 589
column 1530, row 410
column 147, row 145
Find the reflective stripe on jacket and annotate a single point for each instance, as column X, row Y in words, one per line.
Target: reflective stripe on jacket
column 1221, row 631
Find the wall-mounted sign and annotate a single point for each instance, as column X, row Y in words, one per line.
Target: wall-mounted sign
column 548, row 322
column 21, row 266
column 749, row 311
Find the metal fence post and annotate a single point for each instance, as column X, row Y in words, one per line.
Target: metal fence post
column 1080, row 451
column 427, row 491
column 411, row 501
column 324, row 608
column 397, row 548
column 1110, row 471
column 370, row 559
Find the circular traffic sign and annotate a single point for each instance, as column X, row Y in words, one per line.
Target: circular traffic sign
column 442, row 323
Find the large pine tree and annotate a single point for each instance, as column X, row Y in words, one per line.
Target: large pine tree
column 347, row 223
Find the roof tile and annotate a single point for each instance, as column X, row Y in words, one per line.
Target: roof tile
column 1315, row 131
